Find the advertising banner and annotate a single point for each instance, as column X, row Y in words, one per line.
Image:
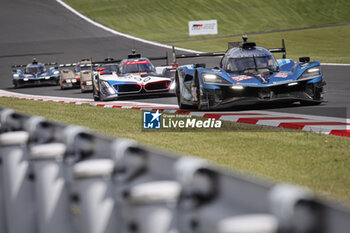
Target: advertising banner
column 203, row 27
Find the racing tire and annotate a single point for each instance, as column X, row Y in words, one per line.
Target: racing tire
column 15, row 84
column 196, row 83
column 178, row 94
column 95, row 93
column 315, row 92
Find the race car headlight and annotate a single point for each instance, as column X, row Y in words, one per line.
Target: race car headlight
column 312, row 72
column 108, row 87
column 16, row 75
column 172, row 86
column 213, row 79
column 56, row 72
column 237, row 87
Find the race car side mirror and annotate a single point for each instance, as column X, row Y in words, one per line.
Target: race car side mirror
column 304, row 59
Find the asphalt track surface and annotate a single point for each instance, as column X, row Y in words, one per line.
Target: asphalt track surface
column 49, row 32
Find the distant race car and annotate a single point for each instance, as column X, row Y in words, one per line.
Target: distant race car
column 35, row 74
column 130, row 77
column 68, row 79
column 248, row 74
column 85, row 73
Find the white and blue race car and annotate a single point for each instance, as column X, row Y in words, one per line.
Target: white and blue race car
column 248, row 74
column 35, row 74
column 135, row 76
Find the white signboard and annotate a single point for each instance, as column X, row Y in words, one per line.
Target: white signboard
column 203, row 27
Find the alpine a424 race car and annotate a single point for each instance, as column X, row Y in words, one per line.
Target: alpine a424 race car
column 34, row 74
column 248, row 75
column 131, row 77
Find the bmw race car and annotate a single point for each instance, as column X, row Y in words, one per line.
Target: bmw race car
column 34, row 74
column 130, row 77
column 248, row 74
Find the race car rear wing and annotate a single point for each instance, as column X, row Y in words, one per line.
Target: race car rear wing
column 243, row 44
column 133, row 55
column 194, row 55
column 280, row 50
column 24, row 65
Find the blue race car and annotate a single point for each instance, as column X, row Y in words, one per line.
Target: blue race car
column 248, row 74
column 34, row 74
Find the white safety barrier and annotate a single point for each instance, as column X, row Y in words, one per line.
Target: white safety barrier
column 58, row 178
column 94, row 196
column 16, row 177
column 51, row 189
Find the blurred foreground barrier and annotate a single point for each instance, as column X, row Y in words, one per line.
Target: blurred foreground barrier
column 58, row 178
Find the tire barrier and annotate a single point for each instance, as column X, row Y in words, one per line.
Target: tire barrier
column 65, row 178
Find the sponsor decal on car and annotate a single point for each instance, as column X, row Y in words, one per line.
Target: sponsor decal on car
column 281, row 75
column 136, row 62
column 241, row 78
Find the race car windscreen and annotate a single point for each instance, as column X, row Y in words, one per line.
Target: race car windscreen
column 249, row 63
column 35, row 68
column 143, row 66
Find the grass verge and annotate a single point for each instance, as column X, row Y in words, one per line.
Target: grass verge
column 323, row 44
column 158, row 20
column 320, row 162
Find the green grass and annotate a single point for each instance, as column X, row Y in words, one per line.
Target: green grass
column 159, row 20
column 323, row 44
column 320, row 162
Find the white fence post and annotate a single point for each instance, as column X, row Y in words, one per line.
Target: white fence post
column 151, row 207
column 18, row 189
column 51, row 188
column 95, row 202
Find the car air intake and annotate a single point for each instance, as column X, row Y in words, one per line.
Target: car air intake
column 163, row 85
column 127, row 87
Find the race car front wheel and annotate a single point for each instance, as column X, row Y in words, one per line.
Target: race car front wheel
column 95, row 92
column 15, row 84
column 178, row 94
column 315, row 91
column 97, row 96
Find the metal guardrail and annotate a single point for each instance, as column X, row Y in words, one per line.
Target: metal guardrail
column 65, row 178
